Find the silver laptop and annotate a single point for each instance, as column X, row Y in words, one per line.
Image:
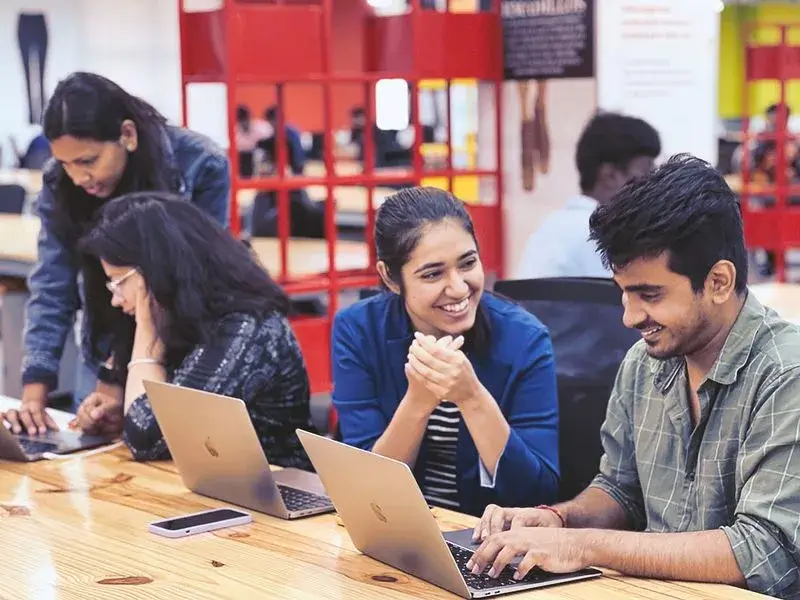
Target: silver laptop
column 388, row 519
column 25, row 448
column 218, row 454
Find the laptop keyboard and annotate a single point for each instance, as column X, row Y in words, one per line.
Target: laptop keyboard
column 36, row 447
column 483, row 581
column 296, row 500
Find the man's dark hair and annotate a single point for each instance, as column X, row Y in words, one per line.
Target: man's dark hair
column 773, row 109
column 611, row 138
column 685, row 208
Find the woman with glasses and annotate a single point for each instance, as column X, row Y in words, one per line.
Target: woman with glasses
column 205, row 315
column 105, row 143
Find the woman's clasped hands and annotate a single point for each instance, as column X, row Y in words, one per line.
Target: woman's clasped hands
column 442, row 369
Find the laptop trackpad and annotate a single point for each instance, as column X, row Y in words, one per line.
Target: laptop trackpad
column 461, row 537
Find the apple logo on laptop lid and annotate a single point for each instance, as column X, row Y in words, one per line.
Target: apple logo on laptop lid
column 210, row 448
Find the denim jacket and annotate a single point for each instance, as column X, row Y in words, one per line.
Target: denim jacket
column 201, row 175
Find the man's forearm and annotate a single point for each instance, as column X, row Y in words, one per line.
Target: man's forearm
column 704, row 556
column 594, row 508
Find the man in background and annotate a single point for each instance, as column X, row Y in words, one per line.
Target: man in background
column 296, row 156
column 612, row 150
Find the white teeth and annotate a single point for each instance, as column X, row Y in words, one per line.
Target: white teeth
column 456, row 308
column 651, row 331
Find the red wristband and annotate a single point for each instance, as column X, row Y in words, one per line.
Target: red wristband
column 555, row 511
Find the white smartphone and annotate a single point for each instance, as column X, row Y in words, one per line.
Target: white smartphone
column 207, row 520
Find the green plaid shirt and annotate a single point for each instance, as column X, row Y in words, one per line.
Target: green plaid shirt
column 738, row 470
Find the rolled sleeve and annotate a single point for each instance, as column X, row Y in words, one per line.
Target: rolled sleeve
column 764, row 535
column 619, row 476
column 766, row 559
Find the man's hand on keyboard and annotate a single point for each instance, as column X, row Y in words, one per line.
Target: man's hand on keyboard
column 552, row 549
column 496, row 519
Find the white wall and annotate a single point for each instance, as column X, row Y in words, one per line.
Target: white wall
column 136, row 44
column 133, row 42
column 658, row 61
column 62, row 57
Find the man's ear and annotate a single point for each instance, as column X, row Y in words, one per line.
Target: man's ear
column 383, row 271
column 721, row 281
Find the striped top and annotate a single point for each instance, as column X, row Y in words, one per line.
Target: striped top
column 441, row 437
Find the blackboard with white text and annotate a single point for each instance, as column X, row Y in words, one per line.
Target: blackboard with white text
column 548, row 39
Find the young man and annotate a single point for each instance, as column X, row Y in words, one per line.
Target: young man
column 295, row 155
column 700, row 479
column 612, row 149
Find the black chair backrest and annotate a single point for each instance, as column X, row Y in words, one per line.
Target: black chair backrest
column 584, row 317
column 12, row 198
column 364, row 293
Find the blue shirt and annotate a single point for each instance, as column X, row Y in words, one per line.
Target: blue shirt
column 371, row 340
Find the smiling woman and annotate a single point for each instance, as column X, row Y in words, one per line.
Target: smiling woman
column 435, row 372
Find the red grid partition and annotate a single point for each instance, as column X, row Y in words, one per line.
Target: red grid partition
column 278, row 43
column 775, row 227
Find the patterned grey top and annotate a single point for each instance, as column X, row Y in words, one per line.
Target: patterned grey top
column 738, row 470
column 256, row 360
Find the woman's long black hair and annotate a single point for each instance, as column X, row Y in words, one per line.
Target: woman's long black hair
column 90, row 107
column 194, row 270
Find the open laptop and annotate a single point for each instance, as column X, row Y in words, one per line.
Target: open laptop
column 388, row 519
column 25, row 448
column 218, row 454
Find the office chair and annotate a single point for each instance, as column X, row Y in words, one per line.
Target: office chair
column 12, row 198
column 584, row 317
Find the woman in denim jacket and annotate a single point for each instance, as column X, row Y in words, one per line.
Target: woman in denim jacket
column 105, row 143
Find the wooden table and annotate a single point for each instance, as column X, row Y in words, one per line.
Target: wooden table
column 77, row 529
column 310, row 257
column 31, row 180
column 734, row 181
column 351, row 201
column 306, row 256
column 18, row 246
column 347, row 167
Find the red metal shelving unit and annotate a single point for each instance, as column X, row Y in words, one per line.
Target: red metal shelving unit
column 775, row 228
column 281, row 42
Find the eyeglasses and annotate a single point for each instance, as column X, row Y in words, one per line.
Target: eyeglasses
column 114, row 285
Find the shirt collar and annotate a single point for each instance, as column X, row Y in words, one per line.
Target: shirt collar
column 735, row 352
